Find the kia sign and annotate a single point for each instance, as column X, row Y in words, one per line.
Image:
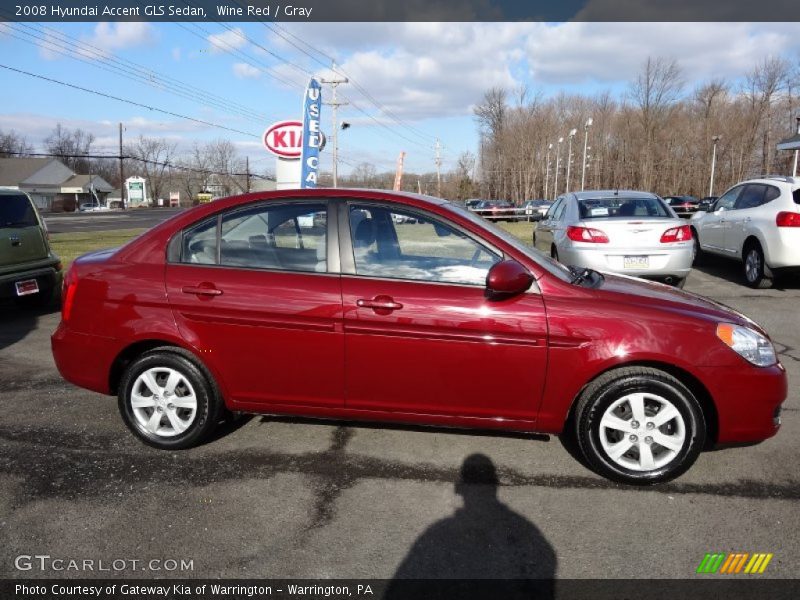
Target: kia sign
column 284, row 139
column 312, row 136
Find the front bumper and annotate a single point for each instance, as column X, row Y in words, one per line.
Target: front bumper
column 748, row 401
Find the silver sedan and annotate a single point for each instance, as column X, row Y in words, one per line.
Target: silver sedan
column 628, row 232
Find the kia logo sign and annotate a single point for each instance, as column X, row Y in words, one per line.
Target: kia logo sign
column 284, row 139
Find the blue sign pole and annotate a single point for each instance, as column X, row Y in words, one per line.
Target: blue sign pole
column 312, row 136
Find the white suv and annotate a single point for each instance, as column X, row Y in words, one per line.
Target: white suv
column 756, row 221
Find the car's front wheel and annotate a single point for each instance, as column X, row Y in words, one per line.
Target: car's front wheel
column 167, row 401
column 639, row 425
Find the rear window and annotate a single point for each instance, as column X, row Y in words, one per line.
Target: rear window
column 622, row 208
column 796, row 195
column 16, row 211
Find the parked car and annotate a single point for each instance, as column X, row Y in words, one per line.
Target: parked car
column 756, row 222
column 472, row 203
column 496, row 210
column 629, row 232
column 535, row 210
column 232, row 306
column 92, row 207
column 706, row 202
column 684, row 206
column 29, row 271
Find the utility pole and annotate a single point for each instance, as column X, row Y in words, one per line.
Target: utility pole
column 247, row 172
column 438, row 161
column 121, row 170
column 714, row 139
column 586, row 126
column 335, row 104
column 558, row 156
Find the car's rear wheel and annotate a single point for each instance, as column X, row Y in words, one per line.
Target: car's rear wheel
column 167, row 401
column 639, row 425
column 756, row 272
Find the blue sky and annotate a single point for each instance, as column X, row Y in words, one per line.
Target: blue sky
column 426, row 77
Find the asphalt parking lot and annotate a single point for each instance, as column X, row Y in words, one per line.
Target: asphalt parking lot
column 285, row 498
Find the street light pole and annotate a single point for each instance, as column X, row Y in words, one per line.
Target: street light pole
column 796, row 152
column 715, row 139
column 569, row 156
column 547, row 170
column 558, row 156
column 586, row 126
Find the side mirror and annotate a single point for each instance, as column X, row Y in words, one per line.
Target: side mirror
column 508, row 278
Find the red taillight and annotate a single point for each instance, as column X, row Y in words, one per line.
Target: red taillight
column 586, row 234
column 788, row 219
column 677, row 234
column 68, row 293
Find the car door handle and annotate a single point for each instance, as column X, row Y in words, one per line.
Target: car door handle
column 379, row 303
column 202, row 290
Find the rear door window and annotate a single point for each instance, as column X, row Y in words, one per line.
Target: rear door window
column 751, row 197
column 796, row 195
column 16, row 211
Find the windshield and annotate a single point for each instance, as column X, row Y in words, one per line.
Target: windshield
column 622, row 208
column 16, row 211
column 552, row 266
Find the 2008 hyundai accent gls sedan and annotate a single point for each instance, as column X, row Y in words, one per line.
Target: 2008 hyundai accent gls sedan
column 395, row 307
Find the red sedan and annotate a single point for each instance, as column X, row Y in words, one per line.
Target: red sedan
column 383, row 306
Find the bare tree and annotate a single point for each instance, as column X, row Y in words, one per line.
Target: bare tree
column 654, row 92
column 152, row 157
column 70, row 146
column 12, row 144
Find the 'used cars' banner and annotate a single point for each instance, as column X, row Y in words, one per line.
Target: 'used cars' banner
column 312, row 137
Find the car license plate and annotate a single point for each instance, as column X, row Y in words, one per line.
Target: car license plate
column 29, row 286
column 636, row 262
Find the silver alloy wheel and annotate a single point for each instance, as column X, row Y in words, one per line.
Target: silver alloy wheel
column 642, row 431
column 163, row 402
column 752, row 265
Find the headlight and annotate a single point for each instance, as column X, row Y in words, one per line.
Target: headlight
column 749, row 344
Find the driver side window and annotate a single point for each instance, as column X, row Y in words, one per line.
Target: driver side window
column 406, row 245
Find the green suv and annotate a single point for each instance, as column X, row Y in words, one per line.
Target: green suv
column 29, row 271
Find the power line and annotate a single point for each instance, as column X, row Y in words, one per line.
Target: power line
column 131, row 102
column 66, row 46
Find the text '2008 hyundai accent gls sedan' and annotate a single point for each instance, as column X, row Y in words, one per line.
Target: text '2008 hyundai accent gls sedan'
column 395, row 307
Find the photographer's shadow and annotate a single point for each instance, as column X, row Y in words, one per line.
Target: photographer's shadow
column 484, row 540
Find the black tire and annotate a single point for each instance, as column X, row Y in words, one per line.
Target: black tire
column 610, row 387
column 699, row 255
column 755, row 270
column 209, row 406
column 680, row 283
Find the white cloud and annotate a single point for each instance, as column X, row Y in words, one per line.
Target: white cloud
column 614, row 52
column 227, row 40
column 245, row 71
column 104, row 40
column 176, row 54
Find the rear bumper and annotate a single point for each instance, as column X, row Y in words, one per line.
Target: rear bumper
column 84, row 360
column 48, row 279
column 672, row 262
column 748, row 401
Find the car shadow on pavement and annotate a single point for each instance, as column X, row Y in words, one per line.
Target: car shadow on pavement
column 483, row 540
column 17, row 322
column 731, row 271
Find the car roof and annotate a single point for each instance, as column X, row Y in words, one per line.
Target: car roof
column 594, row 194
column 772, row 180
